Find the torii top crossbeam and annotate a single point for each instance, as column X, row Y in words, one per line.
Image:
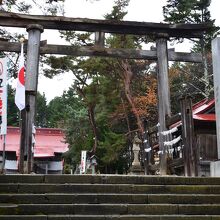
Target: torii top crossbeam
column 107, row 26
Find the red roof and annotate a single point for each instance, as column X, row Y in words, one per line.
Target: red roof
column 205, row 117
column 200, row 111
column 199, row 106
column 48, row 141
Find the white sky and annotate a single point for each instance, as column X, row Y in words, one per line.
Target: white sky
column 138, row 10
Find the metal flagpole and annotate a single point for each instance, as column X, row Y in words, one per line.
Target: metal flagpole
column 3, row 154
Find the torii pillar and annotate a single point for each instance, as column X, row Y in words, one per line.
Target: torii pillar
column 216, row 75
column 31, row 81
column 163, row 92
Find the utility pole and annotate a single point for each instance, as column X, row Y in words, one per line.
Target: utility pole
column 31, row 80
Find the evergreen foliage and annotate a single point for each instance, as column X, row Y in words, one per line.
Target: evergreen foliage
column 12, row 110
column 13, row 117
column 41, row 111
column 197, row 77
column 192, row 12
column 100, row 118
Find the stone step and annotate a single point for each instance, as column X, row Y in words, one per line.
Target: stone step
column 25, row 217
column 110, row 198
column 135, row 217
column 110, row 179
column 110, row 217
column 109, row 209
column 108, row 188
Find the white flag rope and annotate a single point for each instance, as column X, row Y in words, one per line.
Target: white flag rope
column 171, row 131
column 147, row 149
column 160, row 152
column 178, row 148
column 174, row 141
column 170, row 151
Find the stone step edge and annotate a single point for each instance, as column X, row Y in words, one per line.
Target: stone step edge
column 109, row 194
column 108, row 184
column 104, row 217
column 105, row 179
column 12, row 205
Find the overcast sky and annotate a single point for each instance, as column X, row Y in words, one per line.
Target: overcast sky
column 138, row 10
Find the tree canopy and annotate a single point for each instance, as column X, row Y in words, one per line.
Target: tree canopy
column 110, row 98
column 197, row 77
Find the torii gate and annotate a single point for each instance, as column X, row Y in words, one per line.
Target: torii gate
column 35, row 25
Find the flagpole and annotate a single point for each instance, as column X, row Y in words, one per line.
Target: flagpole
column 3, row 153
column 20, row 102
column 22, row 141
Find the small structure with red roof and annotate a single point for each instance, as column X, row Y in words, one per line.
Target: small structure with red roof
column 205, row 139
column 47, row 150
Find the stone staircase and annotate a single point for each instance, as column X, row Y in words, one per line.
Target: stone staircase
column 103, row 197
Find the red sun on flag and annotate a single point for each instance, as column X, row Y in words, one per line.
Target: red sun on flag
column 21, row 76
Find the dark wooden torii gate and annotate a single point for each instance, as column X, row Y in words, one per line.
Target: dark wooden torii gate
column 35, row 24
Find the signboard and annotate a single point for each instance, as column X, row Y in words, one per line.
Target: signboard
column 3, row 95
column 83, row 162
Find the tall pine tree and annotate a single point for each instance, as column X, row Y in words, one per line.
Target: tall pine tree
column 195, row 12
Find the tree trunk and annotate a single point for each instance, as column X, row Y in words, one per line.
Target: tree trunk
column 205, row 66
column 94, row 127
column 91, row 114
column 126, row 116
column 127, row 77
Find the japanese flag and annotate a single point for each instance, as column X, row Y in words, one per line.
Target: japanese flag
column 20, row 89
